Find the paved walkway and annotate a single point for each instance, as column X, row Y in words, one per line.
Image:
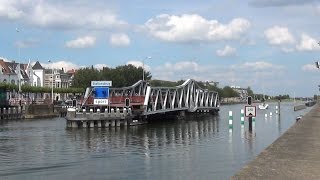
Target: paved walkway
column 295, row 155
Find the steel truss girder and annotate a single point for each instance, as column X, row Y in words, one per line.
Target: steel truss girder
column 188, row 96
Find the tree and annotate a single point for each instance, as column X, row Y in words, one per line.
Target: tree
column 229, row 92
column 84, row 76
column 250, row 92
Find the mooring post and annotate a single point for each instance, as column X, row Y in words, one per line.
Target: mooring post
column 230, row 119
column 279, row 106
column 242, row 116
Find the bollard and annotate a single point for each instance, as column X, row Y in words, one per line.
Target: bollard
column 91, row 114
column 112, row 112
column 276, row 109
column 129, row 111
column 99, row 124
column 125, row 112
column 230, row 119
column 242, row 116
column 270, row 113
column 265, row 115
column 117, row 112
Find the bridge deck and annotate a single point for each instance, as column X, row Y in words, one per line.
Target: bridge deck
column 295, row 155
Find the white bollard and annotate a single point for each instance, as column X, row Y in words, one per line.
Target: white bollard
column 242, row 116
column 230, row 119
column 265, row 115
column 270, row 113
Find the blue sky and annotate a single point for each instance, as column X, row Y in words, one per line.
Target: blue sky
column 269, row 45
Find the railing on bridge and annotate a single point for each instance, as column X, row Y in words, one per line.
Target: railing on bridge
column 152, row 100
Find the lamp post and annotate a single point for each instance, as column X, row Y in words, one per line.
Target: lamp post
column 149, row 57
column 18, row 67
column 51, row 80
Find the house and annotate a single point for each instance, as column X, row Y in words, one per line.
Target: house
column 37, row 75
column 14, row 73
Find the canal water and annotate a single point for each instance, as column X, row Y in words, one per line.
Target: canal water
column 199, row 147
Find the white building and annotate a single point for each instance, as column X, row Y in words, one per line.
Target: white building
column 37, row 75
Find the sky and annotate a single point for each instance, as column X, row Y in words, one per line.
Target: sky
column 269, row 45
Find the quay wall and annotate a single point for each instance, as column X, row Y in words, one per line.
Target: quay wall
column 294, row 155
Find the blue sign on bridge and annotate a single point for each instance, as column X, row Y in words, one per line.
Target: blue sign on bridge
column 101, row 92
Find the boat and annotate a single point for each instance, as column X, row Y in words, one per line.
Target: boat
column 136, row 122
column 298, row 117
column 263, row 106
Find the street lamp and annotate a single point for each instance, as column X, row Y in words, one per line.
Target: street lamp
column 149, row 57
column 51, row 81
column 18, row 67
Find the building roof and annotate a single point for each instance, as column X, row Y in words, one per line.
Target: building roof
column 11, row 68
column 37, row 65
column 4, row 68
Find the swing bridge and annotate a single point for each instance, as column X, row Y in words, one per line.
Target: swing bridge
column 139, row 102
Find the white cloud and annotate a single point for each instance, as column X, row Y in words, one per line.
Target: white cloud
column 246, row 74
column 9, row 10
column 257, row 66
column 309, row 68
column 119, row 40
column 139, row 64
column 81, row 42
column 66, row 65
column 279, row 36
column 226, row 51
column 65, row 15
column 193, row 27
column 100, row 66
column 307, row 43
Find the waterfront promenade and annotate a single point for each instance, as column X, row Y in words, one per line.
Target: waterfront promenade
column 295, row 155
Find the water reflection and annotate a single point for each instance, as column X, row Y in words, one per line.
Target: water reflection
column 170, row 133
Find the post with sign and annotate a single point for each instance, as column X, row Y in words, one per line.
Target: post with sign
column 250, row 111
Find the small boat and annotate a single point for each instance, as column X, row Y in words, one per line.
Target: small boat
column 263, row 106
column 136, row 122
column 298, row 117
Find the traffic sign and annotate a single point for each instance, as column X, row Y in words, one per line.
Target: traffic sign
column 101, row 101
column 250, row 111
column 101, row 83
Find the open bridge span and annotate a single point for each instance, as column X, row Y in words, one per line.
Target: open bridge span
column 147, row 100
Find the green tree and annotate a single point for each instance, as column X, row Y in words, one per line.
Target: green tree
column 250, row 92
column 84, row 76
column 229, row 92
